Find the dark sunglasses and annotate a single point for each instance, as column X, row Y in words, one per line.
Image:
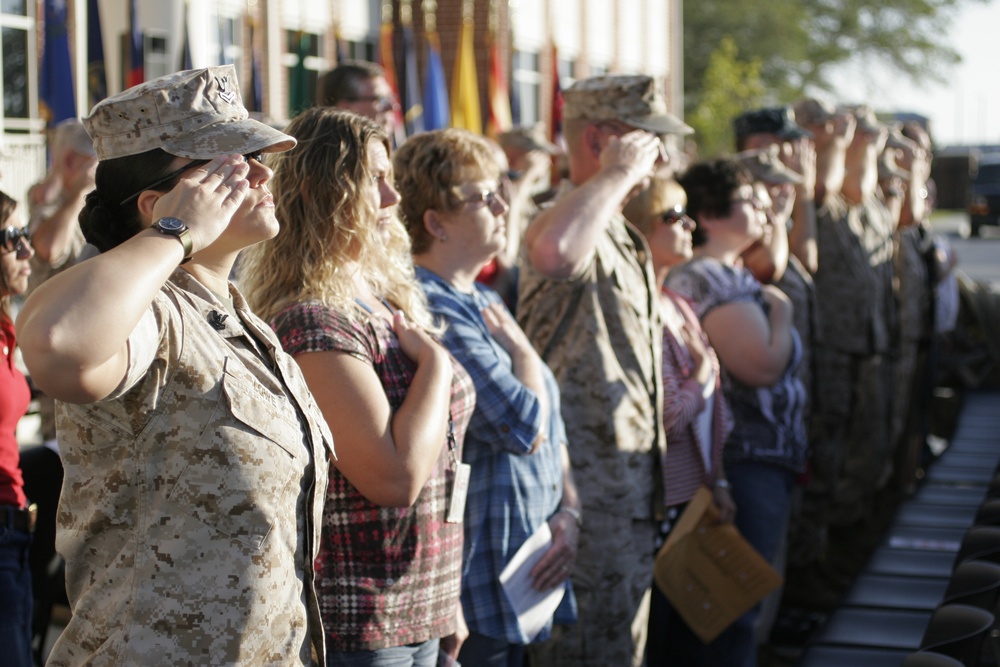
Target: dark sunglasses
column 670, row 216
column 13, row 238
column 258, row 156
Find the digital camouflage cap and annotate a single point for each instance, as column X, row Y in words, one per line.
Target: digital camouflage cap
column 196, row 114
column 631, row 99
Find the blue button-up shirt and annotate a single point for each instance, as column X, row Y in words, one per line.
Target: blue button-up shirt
column 511, row 492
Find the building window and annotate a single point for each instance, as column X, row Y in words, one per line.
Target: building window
column 567, row 72
column 16, row 7
column 15, row 73
column 527, row 86
column 19, row 80
column 359, row 50
column 302, row 67
column 155, row 56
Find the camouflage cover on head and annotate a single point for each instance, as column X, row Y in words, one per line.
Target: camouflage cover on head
column 71, row 134
column 196, row 114
column 632, row 99
column 868, row 122
column 772, row 120
column 811, row 111
column 528, row 138
column 766, row 166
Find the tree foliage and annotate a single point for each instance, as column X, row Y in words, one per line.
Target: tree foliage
column 730, row 87
column 797, row 42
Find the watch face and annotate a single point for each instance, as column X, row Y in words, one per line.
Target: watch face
column 170, row 224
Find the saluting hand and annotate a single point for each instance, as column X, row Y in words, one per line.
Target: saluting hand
column 206, row 198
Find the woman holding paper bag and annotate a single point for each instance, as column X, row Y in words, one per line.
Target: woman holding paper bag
column 453, row 206
column 337, row 285
column 695, row 413
column 750, row 328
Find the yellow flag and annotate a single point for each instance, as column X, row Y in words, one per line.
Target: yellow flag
column 465, row 111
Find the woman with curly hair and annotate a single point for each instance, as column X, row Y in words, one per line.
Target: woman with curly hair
column 337, row 285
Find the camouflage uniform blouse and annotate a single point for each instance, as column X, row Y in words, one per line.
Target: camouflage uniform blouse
column 854, row 279
column 600, row 332
column 191, row 504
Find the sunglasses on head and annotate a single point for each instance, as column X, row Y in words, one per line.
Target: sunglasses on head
column 13, row 238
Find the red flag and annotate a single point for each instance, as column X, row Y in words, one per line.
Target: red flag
column 388, row 62
column 499, row 119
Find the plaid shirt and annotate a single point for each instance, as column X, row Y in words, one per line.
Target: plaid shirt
column 511, row 493
column 386, row 576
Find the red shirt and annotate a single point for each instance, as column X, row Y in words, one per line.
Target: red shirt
column 14, row 399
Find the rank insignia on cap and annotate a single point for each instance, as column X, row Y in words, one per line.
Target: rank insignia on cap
column 226, row 94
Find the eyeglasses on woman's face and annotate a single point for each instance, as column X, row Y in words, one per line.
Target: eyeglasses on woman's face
column 753, row 200
column 493, row 200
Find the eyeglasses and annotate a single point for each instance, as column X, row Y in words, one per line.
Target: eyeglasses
column 492, row 198
column 12, row 239
column 381, row 102
column 257, row 155
column 670, row 216
column 754, row 201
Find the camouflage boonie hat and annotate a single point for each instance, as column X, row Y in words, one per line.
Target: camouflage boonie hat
column 632, row 99
column 867, row 120
column 766, row 166
column 528, row 138
column 196, row 114
column 811, row 111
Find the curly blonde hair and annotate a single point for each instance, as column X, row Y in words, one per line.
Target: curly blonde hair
column 327, row 224
column 429, row 166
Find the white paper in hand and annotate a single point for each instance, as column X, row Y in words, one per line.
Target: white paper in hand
column 534, row 608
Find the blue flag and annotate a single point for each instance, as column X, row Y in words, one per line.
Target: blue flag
column 186, row 62
column 413, row 111
column 97, row 78
column 437, row 110
column 56, row 79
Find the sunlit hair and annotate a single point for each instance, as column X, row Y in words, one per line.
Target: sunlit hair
column 328, row 222
column 429, row 166
column 646, row 208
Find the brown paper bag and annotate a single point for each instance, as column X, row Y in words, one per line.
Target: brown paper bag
column 710, row 574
